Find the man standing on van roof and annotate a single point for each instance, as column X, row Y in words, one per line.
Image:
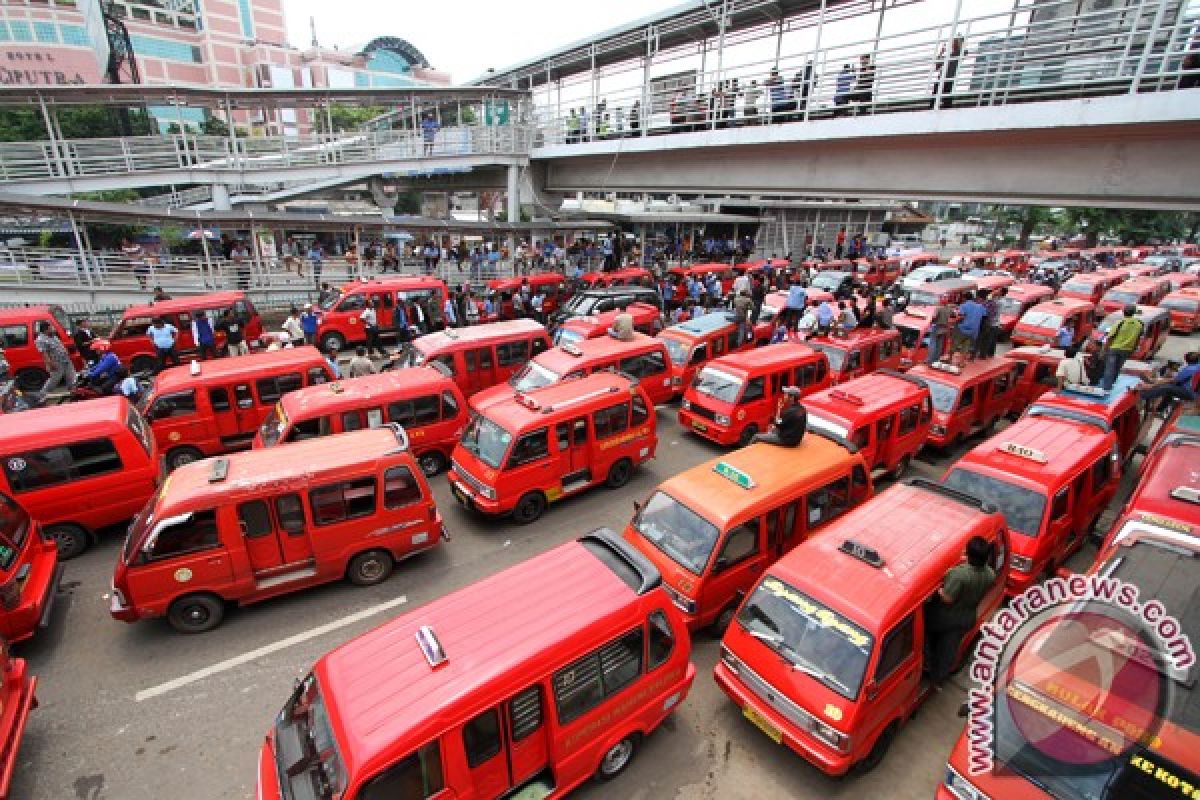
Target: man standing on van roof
column 950, row 619
column 57, row 359
column 1119, row 346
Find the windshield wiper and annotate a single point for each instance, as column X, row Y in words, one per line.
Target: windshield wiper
column 813, row 672
column 765, row 636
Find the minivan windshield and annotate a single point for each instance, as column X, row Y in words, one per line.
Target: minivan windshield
column 717, row 384
column 1022, row 508
column 943, row 395
column 836, row 355
column 330, row 302
column 1125, row 298
column 567, row 336
column 307, row 761
column 533, row 376
column 683, row 535
column 812, row 637
column 922, row 297
column 1041, row 319
column 1009, row 306
column 1180, row 304
column 677, row 350
column 486, row 440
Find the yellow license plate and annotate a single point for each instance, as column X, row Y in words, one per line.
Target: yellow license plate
column 763, row 724
column 700, row 426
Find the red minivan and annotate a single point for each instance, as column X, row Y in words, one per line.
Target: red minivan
column 968, row 399
column 694, row 343
column 647, row 319
column 522, row 685
column 480, row 356
column 133, row 346
column 19, row 329
column 341, row 314
column 737, row 396
column 18, row 697
column 29, row 573
column 859, row 352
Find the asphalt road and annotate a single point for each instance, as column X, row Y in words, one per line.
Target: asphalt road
column 138, row 712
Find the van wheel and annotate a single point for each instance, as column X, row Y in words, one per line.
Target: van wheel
column 529, row 508
column 32, row 379
column 882, row 745
column 431, row 463
column 901, row 468
column 618, row 757
column 748, row 434
column 196, row 613
column 70, row 538
column 143, row 364
column 369, row 568
column 335, row 340
column 619, row 474
column 183, row 455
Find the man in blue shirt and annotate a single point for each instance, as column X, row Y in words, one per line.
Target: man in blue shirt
column 310, row 321
column 1181, row 386
column 796, row 300
column 429, row 129
column 971, row 315
column 163, row 335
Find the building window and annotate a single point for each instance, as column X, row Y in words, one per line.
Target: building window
column 46, row 32
column 247, row 19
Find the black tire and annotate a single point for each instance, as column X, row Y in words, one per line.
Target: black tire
column 748, row 434
column 196, row 613
column 330, row 338
column 882, row 745
column 370, row 568
column 31, row 379
column 431, row 462
column 529, row 508
column 143, row 364
column 618, row 757
column 901, row 468
column 71, row 539
column 619, row 474
column 182, row 455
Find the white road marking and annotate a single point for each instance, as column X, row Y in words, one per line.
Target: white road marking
column 274, row 647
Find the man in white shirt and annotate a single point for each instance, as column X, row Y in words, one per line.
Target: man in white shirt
column 741, row 284
column 1073, row 368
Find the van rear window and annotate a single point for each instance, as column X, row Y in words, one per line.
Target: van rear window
column 38, row 469
column 1022, row 508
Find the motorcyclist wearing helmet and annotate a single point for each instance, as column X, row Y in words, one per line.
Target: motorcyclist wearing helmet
column 103, row 374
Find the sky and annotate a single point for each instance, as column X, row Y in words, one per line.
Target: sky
column 464, row 37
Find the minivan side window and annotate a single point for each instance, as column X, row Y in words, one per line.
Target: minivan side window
column 481, row 738
column 742, row 543
column 180, row 404
column 897, row 647
column 400, row 488
column 416, row 777
column 508, row 353
column 908, row 419
column 1060, row 505
column 449, row 406
column 611, row 421
column 968, row 397
column 54, row 465
column 754, row 390
column 270, row 389
column 640, row 413
column 585, row 684
column 828, row 502
column 198, row 532
column 219, row 399
column 341, row 501
column 530, row 447
column 14, row 336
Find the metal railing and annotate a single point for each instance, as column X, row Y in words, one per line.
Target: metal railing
column 1023, row 55
column 188, row 152
column 50, row 268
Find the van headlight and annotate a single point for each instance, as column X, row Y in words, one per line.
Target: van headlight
column 937, row 430
column 720, row 419
column 830, row 736
column 488, row 492
column 686, row 405
column 1021, row 563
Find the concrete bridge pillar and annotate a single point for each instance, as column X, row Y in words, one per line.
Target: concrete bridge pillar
column 513, row 196
column 220, row 197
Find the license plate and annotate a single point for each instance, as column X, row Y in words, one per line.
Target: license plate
column 700, row 426
column 763, row 724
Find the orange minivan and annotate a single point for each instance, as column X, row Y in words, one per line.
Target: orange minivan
column 215, row 407
column 711, row 530
column 520, row 454
column 885, row 415
column 250, row 526
column 80, row 470
column 480, row 356
column 422, row 400
column 735, row 397
column 829, row 653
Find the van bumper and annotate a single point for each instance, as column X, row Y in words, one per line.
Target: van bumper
column 469, row 498
column 706, row 428
column 267, row 785
column 37, row 601
column 120, row 609
column 25, row 701
column 820, row 757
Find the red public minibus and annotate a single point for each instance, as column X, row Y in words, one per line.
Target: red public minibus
column 480, row 356
column 18, row 332
column 1156, row 327
column 1020, row 298
column 859, row 352
column 885, row 415
column 735, row 397
column 425, row 401
column 136, row 351
column 1113, row 410
column 251, row 526
column 1051, row 478
column 625, row 276
column 694, row 343
column 647, row 319
column 29, row 573
column 1040, row 324
column 1184, row 307
column 1135, row 291
column 642, row 357
column 968, row 399
column 553, row 286
column 341, row 313
column 522, row 685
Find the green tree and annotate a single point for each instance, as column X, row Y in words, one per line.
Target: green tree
column 409, row 202
column 1030, row 219
column 346, row 118
column 78, row 122
column 214, row 126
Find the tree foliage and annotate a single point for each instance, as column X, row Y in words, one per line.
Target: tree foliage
column 346, row 118
column 82, row 122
